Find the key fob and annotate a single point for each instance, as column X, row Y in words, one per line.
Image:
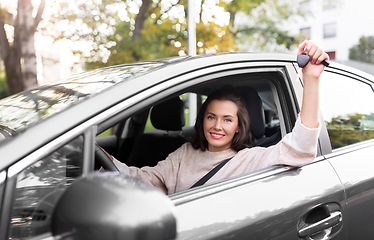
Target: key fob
column 303, row 60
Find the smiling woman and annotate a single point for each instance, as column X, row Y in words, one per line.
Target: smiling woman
column 223, row 122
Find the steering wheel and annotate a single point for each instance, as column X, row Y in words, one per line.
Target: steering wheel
column 104, row 160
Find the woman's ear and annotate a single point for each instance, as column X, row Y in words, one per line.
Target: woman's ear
column 237, row 129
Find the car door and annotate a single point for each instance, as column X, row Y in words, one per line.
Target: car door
column 347, row 106
column 275, row 203
column 278, row 203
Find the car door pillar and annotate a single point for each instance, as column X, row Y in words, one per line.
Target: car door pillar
column 89, row 149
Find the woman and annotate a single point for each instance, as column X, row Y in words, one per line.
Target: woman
column 222, row 132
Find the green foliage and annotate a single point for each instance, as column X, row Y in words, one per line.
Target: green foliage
column 156, row 41
column 263, row 30
column 163, row 39
column 350, row 120
column 364, row 50
column 340, row 138
column 350, row 129
column 213, row 38
column 111, row 27
column 3, row 85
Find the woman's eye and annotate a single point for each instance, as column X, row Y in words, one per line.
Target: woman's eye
column 228, row 120
column 210, row 117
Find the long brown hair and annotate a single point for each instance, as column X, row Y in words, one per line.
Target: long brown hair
column 243, row 138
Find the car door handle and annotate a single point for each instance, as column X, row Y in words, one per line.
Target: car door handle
column 330, row 221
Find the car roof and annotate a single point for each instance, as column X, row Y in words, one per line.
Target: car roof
column 50, row 110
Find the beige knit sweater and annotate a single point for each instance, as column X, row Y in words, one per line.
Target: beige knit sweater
column 185, row 166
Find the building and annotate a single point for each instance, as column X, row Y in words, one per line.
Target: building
column 336, row 25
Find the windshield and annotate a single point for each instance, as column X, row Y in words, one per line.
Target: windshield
column 23, row 109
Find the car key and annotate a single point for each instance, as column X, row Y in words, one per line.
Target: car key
column 303, row 60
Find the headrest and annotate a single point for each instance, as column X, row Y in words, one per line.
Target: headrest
column 168, row 115
column 269, row 116
column 255, row 110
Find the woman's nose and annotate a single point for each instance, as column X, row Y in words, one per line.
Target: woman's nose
column 218, row 125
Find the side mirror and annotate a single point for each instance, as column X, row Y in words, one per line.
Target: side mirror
column 109, row 205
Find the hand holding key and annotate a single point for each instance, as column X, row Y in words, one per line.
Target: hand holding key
column 312, row 59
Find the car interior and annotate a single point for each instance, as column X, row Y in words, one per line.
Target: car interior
column 149, row 135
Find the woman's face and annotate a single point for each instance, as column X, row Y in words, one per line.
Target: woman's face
column 220, row 124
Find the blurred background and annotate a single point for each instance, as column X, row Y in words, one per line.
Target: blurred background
column 43, row 41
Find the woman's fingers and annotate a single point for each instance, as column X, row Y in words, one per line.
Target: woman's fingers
column 316, row 54
column 323, row 56
column 301, row 48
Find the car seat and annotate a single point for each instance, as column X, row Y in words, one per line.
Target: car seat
column 151, row 147
column 272, row 123
column 257, row 115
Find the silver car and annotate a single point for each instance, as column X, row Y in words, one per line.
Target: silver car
column 50, row 186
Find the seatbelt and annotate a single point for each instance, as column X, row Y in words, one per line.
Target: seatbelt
column 210, row 174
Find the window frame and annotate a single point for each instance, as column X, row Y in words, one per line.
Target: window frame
column 288, row 103
column 289, row 95
column 324, row 137
column 330, row 26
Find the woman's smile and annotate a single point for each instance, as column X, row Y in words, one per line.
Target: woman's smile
column 217, row 135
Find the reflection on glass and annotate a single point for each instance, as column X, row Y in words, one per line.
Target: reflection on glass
column 348, row 109
column 40, row 186
column 350, row 129
column 23, row 109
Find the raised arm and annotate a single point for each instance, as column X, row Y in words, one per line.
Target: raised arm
column 311, row 78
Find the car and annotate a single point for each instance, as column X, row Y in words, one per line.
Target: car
column 52, row 185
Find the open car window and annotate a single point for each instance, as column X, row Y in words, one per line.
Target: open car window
column 154, row 131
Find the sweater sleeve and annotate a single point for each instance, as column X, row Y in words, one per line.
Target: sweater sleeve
column 150, row 175
column 162, row 176
column 299, row 146
column 296, row 149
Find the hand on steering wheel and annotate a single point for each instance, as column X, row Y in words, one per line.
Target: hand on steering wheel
column 104, row 159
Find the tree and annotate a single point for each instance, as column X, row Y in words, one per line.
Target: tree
column 261, row 24
column 127, row 31
column 18, row 53
column 364, row 50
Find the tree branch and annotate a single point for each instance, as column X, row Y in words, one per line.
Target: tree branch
column 38, row 16
column 201, row 10
column 232, row 18
column 140, row 18
column 172, row 5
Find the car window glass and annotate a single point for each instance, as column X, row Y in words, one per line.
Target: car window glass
column 348, row 109
column 39, row 187
column 184, row 97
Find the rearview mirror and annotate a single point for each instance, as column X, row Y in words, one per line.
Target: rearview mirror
column 109, row 205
